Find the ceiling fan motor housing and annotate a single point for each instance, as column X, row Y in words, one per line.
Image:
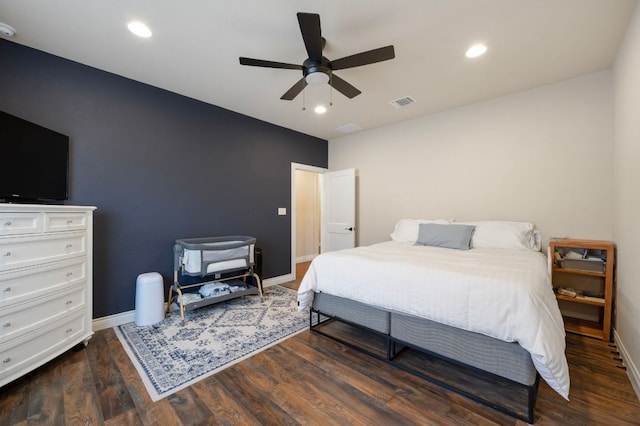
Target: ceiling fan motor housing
column 311, row 66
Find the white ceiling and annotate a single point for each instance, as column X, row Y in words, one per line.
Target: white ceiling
column 196, row 44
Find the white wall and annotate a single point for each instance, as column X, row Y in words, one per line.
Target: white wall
column 542, row 155
column 626, row 199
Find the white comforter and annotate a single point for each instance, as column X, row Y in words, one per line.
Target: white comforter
column 501, row 293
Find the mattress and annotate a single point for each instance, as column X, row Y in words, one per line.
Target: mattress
column 501, row 293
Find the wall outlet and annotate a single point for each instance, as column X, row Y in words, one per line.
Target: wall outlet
column 282, row 211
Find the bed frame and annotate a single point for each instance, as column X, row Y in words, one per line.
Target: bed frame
column 494, row 359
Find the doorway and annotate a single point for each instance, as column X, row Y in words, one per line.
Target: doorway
column 305, row 216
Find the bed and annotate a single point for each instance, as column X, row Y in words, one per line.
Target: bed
column 476, row 293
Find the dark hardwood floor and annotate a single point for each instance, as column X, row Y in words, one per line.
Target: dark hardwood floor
column 301, row 269
column 307, row 379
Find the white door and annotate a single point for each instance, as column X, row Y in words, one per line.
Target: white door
column 338, row 210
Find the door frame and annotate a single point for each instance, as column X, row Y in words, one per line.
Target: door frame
column 305, row 168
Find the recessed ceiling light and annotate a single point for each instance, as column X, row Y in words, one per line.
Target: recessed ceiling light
column 139, row 29
column 6, row 30
column 476, row 50
column 320, row 109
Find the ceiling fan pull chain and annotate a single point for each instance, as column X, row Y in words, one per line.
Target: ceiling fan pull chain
column 304, row 98
column 331, row 89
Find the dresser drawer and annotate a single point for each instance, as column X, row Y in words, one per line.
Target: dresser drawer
column 24, row 317
column 20, row 223
column 34, row 349
column 27, row 251
column 23, row 284
column 64, row 221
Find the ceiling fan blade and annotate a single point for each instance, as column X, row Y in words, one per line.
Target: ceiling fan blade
column 364, row 58
column 343, row 87
column 311, row 34
column 268, row 64
column 295, row 90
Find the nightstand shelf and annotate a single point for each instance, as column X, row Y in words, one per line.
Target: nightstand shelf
column 579, row 272
column 584, row 300
column 583, row 327
column 591, row 277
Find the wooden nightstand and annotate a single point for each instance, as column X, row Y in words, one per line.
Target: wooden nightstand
column 587, row 267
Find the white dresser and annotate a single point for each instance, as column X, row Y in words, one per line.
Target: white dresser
column 45, row 284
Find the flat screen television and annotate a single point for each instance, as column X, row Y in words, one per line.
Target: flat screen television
column 35, row 161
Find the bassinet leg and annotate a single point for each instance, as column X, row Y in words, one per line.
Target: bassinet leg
column 179, row 296
column 169, row 299
column 258, row 283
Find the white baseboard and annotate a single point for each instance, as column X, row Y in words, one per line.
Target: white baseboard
column 113, row 320
column 632, row 369
column 307, row 258
column 130, row 316
column 277, row 280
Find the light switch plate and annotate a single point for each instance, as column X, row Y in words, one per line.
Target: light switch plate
column 282, row 211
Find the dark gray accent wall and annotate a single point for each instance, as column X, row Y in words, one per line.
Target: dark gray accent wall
column 158, row 166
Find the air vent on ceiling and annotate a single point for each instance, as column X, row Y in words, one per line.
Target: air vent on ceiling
column 349, row 128
column 407, row 100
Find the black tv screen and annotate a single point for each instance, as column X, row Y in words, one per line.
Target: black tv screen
column 35, row 161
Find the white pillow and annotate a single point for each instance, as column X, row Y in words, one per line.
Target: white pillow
column 406, row 230
column 504, row 234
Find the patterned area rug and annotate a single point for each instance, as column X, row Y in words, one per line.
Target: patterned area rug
column 173, row 354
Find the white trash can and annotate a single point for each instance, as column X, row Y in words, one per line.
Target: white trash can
column 149, row 299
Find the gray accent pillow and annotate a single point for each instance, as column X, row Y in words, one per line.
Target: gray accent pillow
column 452, row 236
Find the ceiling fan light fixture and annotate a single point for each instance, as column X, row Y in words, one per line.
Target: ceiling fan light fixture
column 317, row 78
column 320, row 109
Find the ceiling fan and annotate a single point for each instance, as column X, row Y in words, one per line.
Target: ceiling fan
column 317, row 69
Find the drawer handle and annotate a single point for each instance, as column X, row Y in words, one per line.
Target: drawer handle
column 69, row 302
column 6, row 325
column 7, row 223
column 7, row 290
column 69, row 222
column 68, row 330
column 6, row 360
column 69, row 274
column 7, row 254
column 69, row 246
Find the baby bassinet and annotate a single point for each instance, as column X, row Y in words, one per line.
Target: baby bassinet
column 228, row 260
column 207, row 256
